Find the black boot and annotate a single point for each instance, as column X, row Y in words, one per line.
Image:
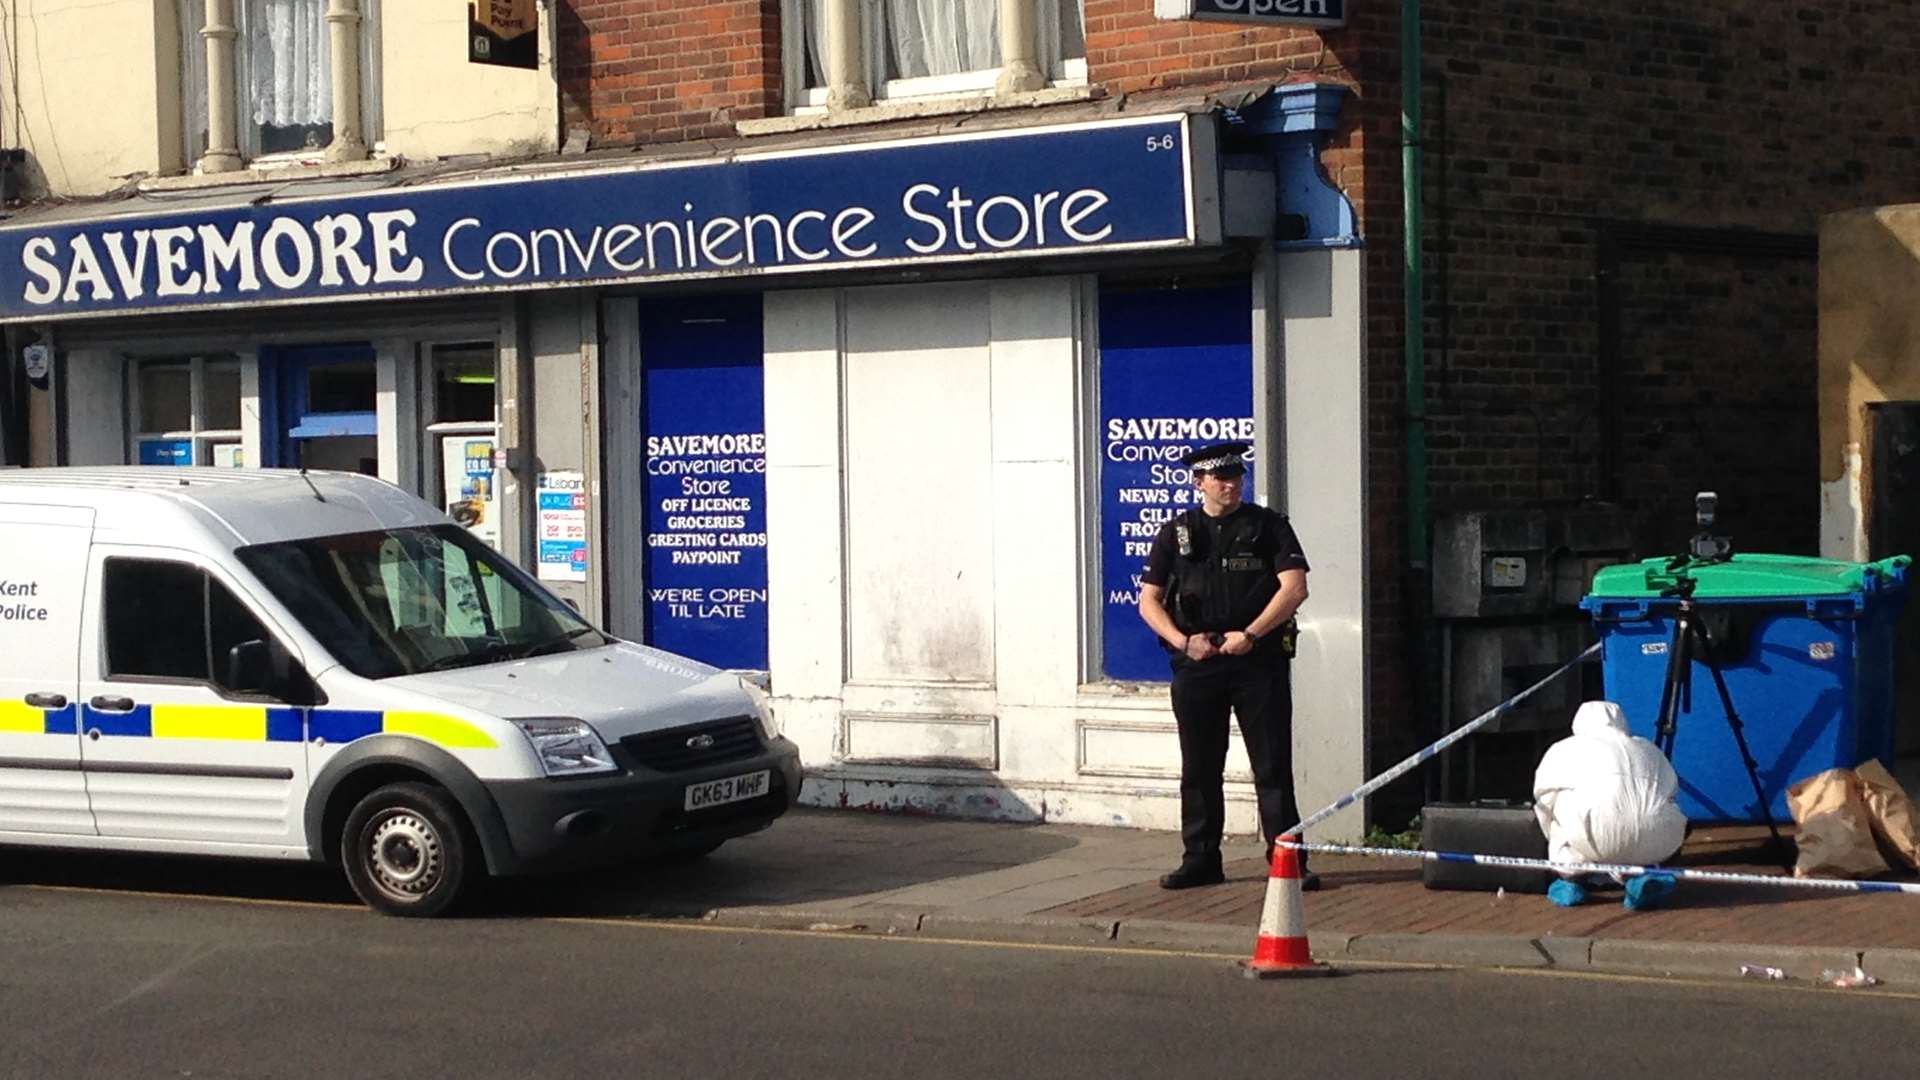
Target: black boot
column 1194, row 871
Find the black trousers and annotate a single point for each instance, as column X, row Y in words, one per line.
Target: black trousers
column 1258, row 691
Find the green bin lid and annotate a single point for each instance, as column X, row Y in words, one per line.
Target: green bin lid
column 1750, row 577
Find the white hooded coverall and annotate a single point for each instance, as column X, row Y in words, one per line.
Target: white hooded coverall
column 1602, row 795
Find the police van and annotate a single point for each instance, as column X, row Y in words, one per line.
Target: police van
column 319, row 666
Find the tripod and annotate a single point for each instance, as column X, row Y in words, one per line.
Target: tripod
column 1692, row 640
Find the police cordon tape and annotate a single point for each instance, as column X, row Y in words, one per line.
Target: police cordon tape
column 1620, row 869
column 1430, row 752
column 1419, row 757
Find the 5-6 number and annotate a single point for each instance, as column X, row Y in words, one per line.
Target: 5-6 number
column 1157, row 143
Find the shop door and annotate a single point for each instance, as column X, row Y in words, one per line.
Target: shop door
column 326, row 398
column 41, row 790
column 1176, row 372
column 460, row 413
column 705, row 486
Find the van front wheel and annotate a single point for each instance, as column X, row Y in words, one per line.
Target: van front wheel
column 405, row 850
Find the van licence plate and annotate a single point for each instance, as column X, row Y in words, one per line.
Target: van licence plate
column 733, row 789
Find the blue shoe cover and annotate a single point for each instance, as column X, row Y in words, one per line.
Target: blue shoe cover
column 1647, row 890
column 1567, row 893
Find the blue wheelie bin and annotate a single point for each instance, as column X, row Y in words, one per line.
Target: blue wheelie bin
column 1806, row 650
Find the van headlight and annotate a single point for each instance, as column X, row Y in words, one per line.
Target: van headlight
column 567, row 747
column 762, row 709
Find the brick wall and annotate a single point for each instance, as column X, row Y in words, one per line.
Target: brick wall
column 646, row 71
column 1549, row 125
column 1129, row 50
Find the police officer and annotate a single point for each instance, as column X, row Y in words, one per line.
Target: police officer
column 1222, row 583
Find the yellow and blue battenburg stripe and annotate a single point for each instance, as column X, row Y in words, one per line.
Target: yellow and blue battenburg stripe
column 244, row 723
column 20, row 718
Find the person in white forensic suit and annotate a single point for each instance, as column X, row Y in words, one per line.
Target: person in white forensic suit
column 1604, row 795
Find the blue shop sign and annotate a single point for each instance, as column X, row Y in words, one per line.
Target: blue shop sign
column 1139, row 183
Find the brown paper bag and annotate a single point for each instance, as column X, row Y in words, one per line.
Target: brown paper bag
column 1895, row 822
column 1835, row 832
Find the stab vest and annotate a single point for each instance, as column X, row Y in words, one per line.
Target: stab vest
column 1223, row 582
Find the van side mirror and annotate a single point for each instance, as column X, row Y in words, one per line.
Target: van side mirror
column 249, row 668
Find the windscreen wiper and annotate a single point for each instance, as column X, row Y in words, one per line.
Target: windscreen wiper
column 539, row 647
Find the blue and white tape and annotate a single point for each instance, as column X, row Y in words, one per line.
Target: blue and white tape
column 1620, row 869
column 1430, row 752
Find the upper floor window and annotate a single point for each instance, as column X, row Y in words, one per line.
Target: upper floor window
column 282, row 74
column 920, row 48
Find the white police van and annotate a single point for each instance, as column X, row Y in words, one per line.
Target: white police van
column 320, row 666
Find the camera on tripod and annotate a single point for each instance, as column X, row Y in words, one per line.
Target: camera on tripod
column 1706, row 547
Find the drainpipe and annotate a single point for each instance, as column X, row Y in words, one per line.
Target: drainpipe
column 1416, row 360
column 343, row 24
column 223, row 138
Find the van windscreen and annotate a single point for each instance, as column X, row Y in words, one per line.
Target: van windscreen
column 408, row 601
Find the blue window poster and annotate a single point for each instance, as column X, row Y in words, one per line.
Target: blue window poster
column 166, row 451
column 705, row 480
column 1176, row 373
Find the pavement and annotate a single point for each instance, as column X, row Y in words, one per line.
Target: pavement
column 850, row 871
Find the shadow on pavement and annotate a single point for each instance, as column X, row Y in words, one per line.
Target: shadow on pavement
column 808, row 856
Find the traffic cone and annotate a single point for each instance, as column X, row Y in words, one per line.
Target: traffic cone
column 1281, row 950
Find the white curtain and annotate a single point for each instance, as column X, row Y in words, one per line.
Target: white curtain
column 813, row 16
column 193, row 77
column 942, row 37
column 1063, row 34
column 291, row 58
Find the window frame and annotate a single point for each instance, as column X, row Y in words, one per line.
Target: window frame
column 248, row 135
column 202, row 439
column 209, row 578
column 962, row 85
column 433, row 432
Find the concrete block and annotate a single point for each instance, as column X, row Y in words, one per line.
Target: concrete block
column 1024, row 930
column 1466, row 950
column 820, row 919
column 1899, row 968
column 1715, row 961
column 1230, row 941
column 1566, row 952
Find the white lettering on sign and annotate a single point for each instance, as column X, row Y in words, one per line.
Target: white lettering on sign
column 1016, row 223
column 350, row 251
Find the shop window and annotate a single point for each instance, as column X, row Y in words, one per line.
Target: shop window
column 460, row 408
column 283, row 76
column 1176, row 372
column 927, row 48
column 341, row 388
column 186, row 411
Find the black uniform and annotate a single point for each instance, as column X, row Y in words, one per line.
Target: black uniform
column 1218, row 575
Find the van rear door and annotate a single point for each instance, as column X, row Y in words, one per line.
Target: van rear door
column 43, row 567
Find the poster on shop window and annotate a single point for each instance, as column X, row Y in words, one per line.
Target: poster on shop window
column 560, row 503
column 705, row 480
column 467, row 479
column 1176, row 373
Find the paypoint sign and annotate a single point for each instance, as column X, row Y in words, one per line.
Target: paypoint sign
column 1320, row 13
column 1137, row 183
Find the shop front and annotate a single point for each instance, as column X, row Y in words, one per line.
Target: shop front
column 890, row 423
